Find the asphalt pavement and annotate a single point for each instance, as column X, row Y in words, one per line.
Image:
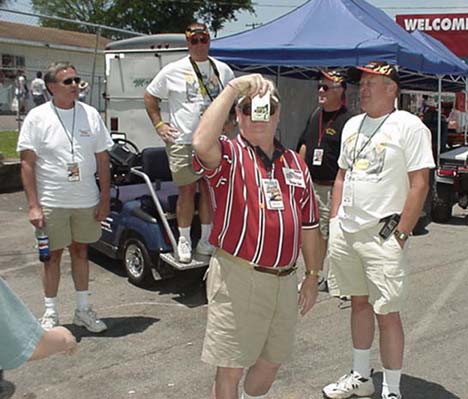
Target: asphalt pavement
column 152, row 348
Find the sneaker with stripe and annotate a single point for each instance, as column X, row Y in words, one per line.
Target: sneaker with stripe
column 352, row 384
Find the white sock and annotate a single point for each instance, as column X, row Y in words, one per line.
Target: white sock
column 51, row 304
column 245, row 396
column 205, row 232
column 82, row 300
column 361, row 361
column 391, row 382
column 185, row 232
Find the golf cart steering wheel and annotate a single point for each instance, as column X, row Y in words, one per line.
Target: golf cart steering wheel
column 127, row 145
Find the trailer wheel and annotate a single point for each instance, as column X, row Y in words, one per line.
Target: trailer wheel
column 137, row 262
column 442, row 203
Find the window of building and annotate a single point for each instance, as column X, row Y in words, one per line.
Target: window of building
column 11, row 64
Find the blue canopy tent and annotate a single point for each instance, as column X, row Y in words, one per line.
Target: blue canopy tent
column 331, row 33
column 451, row 57
column 338, row 33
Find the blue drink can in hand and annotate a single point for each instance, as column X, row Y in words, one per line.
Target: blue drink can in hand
column 43, row 245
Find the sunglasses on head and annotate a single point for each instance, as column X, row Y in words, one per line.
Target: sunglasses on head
column 194, row 39
column 325, row 87
column 69, row 81
column 247, row 108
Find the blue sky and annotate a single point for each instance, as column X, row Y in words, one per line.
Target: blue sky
column 267, row 10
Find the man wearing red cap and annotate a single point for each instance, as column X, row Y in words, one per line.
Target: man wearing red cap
column 377, row 198
column 319, row 145
column 189, row 85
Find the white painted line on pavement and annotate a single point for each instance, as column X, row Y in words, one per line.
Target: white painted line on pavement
column 17, row 268
column 432, row 312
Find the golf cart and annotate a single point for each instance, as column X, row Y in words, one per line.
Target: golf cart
column 451, row 184
column 141, row 229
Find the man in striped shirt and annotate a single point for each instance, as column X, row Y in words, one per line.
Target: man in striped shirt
column 265, row 212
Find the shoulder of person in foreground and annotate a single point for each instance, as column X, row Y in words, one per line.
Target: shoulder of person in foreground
column 407, row 120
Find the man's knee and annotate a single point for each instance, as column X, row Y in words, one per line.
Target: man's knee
column 360, row 303
column 390, row 320
column 187, row 192
column 228, row 374
column 78, row 250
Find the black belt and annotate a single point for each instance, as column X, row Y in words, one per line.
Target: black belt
column 276, row 272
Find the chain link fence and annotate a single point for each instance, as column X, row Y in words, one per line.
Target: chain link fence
column 26, row 48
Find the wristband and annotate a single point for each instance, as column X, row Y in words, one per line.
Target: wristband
column 312, row 273
column 159, row 124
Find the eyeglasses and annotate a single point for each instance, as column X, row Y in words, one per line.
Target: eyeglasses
column 247, row 108
column 325, row 87
column 194, row 39
column 69, row 81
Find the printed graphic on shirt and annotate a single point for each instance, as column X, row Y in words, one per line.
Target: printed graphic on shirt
column 193, row 91
column 370, row 162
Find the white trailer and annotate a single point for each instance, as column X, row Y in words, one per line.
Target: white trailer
column 131, row 64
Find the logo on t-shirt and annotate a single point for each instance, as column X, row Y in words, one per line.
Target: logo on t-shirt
column 84, row 133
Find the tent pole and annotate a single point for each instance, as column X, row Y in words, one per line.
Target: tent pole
column 439, row 116
column 278, row 73
column 465, row 114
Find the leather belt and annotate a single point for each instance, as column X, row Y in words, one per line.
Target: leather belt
column 324, row 182
column 276, row 272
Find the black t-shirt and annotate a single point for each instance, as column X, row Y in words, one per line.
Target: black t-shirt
column 332, row 127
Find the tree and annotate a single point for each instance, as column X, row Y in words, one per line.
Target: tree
column 157, row 16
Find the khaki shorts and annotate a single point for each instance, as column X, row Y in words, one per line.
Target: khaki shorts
column 64, row 225
column 323, row 195
column 251, row 314
column 362, row 263
column 180, row 163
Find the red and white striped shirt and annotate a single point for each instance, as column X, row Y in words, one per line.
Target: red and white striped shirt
column 243, row 225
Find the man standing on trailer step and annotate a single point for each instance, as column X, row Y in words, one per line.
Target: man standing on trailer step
column 189, row 85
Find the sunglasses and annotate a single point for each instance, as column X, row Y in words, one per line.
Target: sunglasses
column 69, row 81
column 325, row 87
column 194, row 40
column 247, row 108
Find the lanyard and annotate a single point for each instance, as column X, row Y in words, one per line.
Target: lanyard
column 321, row 130
column 69, row 137
column 201, row 84
column 355, row 156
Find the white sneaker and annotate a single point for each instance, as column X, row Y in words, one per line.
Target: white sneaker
column 205, row 248
column 184, row 250
column 352, row 384
column 49, row 319
column 391, row 396
column 87, row 318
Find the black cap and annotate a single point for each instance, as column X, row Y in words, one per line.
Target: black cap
column 381, row 68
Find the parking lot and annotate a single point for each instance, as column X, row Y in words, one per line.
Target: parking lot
column 153, row 344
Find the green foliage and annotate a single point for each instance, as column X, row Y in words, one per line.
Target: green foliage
column 8, row 141
column 156, row 16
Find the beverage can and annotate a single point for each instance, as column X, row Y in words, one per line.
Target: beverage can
column 43, row 245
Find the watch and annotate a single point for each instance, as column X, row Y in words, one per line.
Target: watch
column 312, row 273
column 400, row 235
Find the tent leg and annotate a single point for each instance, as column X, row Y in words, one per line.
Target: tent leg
column 439, row 116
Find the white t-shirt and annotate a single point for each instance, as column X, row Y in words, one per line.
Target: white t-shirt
column 43, row 133
column 178, row 83
column 379, row 182
column 38, row 87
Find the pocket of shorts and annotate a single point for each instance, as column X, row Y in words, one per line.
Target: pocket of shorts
column 392, row 241
column 394, row 270
column 216, row 282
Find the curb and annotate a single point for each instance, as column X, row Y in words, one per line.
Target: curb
column 10, row 176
